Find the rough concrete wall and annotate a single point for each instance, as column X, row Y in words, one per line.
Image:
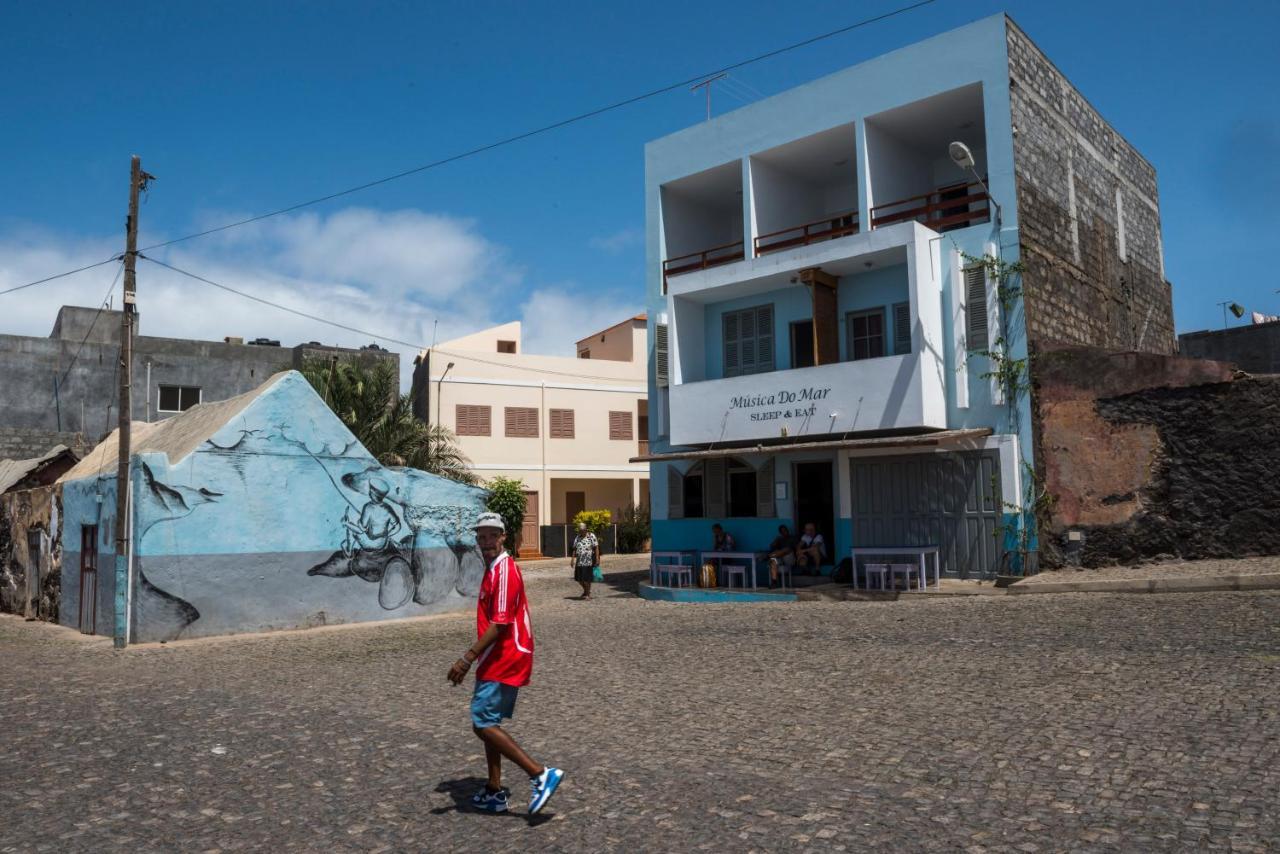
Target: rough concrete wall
column 1088, row 217
column 20, row 443
column 1149, row 456
column 21, row 514
column 1254, row 348
column 282, row 520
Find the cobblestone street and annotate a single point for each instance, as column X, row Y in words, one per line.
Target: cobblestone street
column 1032, row 723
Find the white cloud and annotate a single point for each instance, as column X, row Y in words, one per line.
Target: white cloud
column 618, row 241
column 393, row 273
column 555, row 319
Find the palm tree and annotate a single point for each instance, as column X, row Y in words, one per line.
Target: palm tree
column 365, row 397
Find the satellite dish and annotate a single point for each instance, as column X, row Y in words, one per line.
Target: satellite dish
column 961, row 155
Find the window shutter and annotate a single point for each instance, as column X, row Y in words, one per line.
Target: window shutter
column 521, row 421
column 675, row 494
column 901, row 328
column 975, row 289
column 620, row 425
column 764, row 490
column 732, row 360
column 764, row 338
column 747, row 341
column 472, row 420
column 660, row 354
column 713, row 487
column 561, row 426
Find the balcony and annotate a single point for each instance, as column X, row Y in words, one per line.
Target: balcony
column 829, row 228
column 702, row 220
column 944, row 209
column 707, row 258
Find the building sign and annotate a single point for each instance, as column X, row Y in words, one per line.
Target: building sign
column 781, row 404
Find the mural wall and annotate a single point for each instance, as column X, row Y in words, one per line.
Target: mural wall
column 280, row 519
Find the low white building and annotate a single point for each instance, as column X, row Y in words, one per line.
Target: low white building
column 566, row 427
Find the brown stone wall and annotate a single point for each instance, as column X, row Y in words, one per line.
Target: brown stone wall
column 1150, row 456
column 1080, row 288
column 20, row 512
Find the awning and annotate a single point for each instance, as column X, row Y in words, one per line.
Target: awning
column 926, row 440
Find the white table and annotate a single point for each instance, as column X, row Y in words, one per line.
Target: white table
column 721, row 557
column 921, row 553
column 678, row 569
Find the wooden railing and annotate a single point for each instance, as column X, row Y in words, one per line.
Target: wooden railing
column 829, row 228
column 943, row 209
column 713, row 257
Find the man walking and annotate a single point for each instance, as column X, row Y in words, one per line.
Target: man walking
column 504, row 648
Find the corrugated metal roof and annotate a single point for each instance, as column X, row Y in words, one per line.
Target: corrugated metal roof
column 13, row 471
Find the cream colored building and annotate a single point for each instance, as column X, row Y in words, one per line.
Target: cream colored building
column 566, row 427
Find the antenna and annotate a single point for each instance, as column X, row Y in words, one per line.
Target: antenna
column 435, row 323
column 707, row 83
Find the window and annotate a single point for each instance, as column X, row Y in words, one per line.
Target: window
column 748, row 341
column 521, row 421
column 472, row 420
column 901, row 328
column 177, row 398
column 506, row 346
column 561, row 424
column 620, row 426
column 866, row 334
column 975, row 304
column 584, row 354
column 802, row 344
column 741, row 490
column 693, row 493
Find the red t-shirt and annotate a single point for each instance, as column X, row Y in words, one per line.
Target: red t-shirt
column 510, row 658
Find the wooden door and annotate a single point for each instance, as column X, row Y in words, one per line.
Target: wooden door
column 530, row 543
column 88, row 578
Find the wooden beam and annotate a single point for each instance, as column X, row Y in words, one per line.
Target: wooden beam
column 816, row 276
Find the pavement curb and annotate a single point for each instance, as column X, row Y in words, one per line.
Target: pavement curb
column 1265, row 581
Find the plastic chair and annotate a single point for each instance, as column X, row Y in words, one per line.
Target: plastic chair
column 879, row 570
column 728, row 572
column 906, row 570
column 784, row 572
column 680, row 572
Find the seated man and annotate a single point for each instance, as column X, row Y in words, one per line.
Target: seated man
column 781, row 551
column 723, row 540
column 812, row 550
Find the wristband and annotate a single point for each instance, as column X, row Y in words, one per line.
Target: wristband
column 469, row 657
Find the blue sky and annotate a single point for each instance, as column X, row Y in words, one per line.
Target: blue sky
column 240, row 108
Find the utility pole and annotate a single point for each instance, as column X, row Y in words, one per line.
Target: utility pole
column 137, row 182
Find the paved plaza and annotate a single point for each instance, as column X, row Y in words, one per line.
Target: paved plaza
column 979, row 723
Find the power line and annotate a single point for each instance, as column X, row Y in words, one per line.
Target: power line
column 500, row 143
column 379, row 336
column 626, row 102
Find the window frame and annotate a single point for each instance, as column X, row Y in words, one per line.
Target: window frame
column 520, row 422
column 482, row 411
column 851, row 340
column 180, row 389
column 560, row 431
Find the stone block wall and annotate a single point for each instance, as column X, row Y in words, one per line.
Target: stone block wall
column 21, row 443
column 1088, row 217
column 1148, row 456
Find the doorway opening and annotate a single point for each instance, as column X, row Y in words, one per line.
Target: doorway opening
column 815, row 502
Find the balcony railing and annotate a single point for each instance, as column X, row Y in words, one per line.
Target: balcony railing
column 713, row 257
column 943, row 209
column 829, row 228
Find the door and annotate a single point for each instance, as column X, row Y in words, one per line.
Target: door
column 33, row 574
column 574, row 503
column 88, row 578
column 815, row 501
column 529, row 541
column 948, row 500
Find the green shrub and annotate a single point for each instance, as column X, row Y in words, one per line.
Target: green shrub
column 633, row 529
column 507, row 499
column 597, row 521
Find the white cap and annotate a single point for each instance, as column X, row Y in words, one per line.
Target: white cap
column 489, row 520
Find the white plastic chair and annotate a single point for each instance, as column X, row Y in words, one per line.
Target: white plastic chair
column 878, row 570
column 729, row 571
column 906, row 570
column 680, row 572
column 784, row 572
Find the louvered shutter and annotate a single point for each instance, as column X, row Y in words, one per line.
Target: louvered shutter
column 471, row 420
column 675, row 494
column 660, row 354
column 978, row 336
column 732, row 358
column 747, row 341
column 521, row 421
column 764, row 490
column 561, row 424
column 713, row 487
column 764, row 338
column 901, row 328
column 620, row 425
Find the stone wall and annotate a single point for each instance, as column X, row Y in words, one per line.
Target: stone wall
column 22, row 514
column 20, row 443
column 1149, row 456
column 1088, row 217
column 1254, row 348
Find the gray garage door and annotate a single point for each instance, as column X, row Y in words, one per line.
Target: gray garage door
column 949, row 500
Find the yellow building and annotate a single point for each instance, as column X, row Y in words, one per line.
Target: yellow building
column 566, row 427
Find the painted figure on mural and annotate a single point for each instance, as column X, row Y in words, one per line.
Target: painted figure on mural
column 369, row 540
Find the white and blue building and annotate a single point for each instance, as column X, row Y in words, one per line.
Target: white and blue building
column 822, row 334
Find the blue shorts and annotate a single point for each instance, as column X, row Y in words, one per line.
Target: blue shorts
column 491, row 702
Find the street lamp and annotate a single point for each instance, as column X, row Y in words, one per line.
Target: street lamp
column 447, row 368
column 963, row 157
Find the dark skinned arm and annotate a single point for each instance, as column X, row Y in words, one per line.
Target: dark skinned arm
column 458, row 671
